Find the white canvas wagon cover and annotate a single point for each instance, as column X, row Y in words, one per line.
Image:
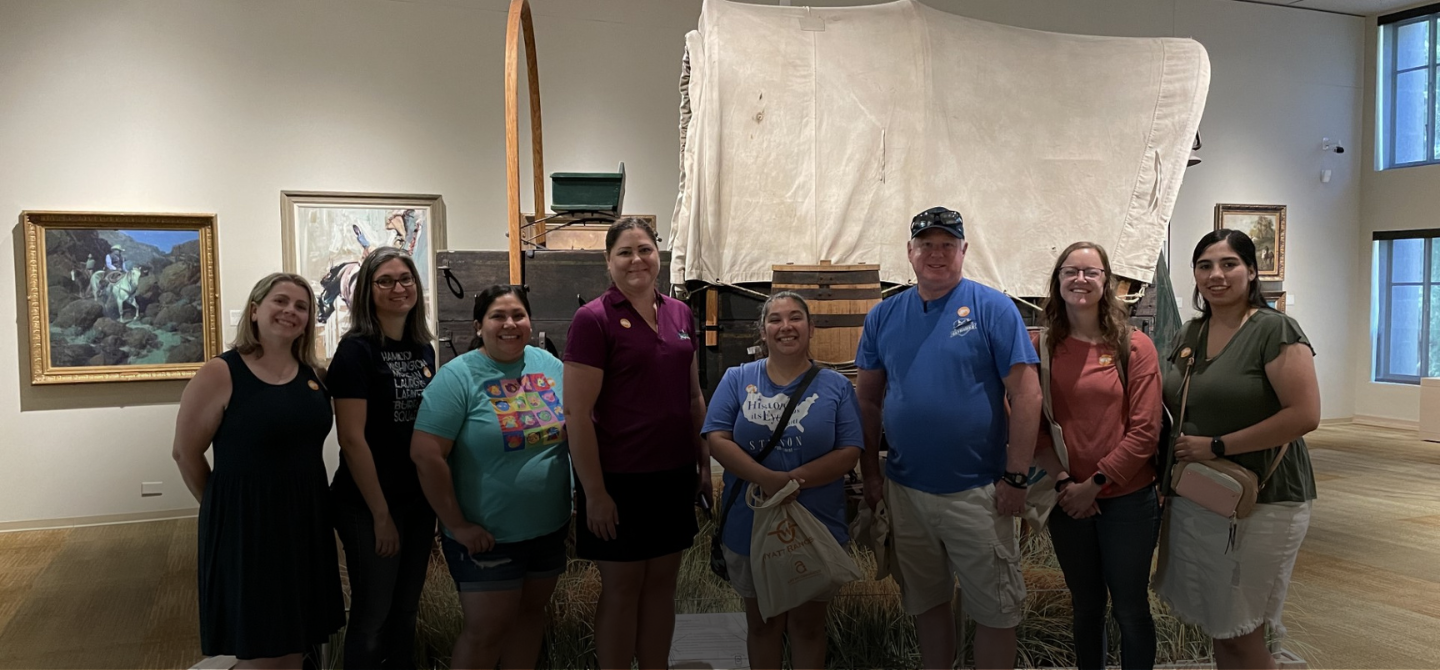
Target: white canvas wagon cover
column 817, row 133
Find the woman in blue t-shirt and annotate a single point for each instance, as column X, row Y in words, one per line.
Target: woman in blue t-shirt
column 820, row 443
column 492, row 453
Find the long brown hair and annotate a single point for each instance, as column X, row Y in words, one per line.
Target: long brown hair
column 1114, row 319
column 364, row 322
column 247, row 336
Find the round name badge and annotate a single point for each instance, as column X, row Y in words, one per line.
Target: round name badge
column 625, row 323
column 313, row 386
column 963, row 311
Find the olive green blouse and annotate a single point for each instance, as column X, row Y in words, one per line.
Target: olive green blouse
column 1230, row 392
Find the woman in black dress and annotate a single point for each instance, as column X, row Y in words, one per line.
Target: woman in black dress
column 269, row 581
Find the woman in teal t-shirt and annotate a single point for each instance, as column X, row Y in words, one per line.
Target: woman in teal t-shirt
column 490, row 447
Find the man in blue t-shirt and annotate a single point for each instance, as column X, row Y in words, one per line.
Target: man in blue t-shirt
column 936, row 364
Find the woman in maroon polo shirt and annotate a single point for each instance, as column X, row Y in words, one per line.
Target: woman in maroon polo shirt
column 633, row 401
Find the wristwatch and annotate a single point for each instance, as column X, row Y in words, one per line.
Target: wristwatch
column 1100, row 479
column 1019, row 480
column 1217, row 446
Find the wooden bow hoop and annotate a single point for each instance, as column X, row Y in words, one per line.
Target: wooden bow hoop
column 519, row 19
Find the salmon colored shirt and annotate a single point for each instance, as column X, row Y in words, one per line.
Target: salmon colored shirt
column 1106, row 429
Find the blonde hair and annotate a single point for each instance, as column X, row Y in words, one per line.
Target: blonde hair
column 247, row 336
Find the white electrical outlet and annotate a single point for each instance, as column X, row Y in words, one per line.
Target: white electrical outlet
column 234, row 317
column 149, row 489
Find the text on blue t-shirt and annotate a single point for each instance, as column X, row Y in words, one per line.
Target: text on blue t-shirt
column 945, row 363
column 748, row 405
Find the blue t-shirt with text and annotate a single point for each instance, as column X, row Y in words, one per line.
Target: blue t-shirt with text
column 748, row 405
column 945, row 363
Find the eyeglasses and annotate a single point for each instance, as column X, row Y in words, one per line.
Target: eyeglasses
column 1090, row 273
column 388, row 283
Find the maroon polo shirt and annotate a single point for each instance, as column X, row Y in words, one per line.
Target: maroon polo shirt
column 642, row 417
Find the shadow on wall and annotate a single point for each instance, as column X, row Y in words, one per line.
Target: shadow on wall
column 73, row 396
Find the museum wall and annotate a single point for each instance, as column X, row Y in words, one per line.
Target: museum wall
column 178, row 106
column 1401, row 199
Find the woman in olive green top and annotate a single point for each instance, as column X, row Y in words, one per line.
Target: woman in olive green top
column 1253, row 389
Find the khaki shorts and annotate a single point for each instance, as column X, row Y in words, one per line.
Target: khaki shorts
column 743, row 581
column 939, row 538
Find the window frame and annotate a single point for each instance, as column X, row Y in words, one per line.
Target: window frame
column 1384, row 295
column 1389, row 58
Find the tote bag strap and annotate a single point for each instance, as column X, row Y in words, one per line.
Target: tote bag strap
column 1045, row 375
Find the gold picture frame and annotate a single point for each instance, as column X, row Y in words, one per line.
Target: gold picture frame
column 1265, row 224
column 1274, row 300
column 82, row 329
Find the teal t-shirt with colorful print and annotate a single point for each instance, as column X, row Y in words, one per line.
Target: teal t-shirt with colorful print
column 511, row 459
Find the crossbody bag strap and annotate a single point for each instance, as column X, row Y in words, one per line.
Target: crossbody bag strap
column 1187, row 344
column 1274, row 465
column 774, row 438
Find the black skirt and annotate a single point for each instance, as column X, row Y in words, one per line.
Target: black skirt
column 657, row 516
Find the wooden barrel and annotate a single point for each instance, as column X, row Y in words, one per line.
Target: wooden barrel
column 839, row 297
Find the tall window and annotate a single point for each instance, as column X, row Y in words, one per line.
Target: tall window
column 1407, row 106
column 1407, row 294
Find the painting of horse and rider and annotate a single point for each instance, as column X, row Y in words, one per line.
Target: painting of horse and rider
column 117, row 297
column 327, row 235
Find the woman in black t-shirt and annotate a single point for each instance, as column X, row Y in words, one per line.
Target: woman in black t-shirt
column 377, row 375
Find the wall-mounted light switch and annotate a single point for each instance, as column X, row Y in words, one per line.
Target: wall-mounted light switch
column 234, row 317
column 149, row 489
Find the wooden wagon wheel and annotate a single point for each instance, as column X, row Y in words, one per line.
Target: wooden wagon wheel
column 520, row 18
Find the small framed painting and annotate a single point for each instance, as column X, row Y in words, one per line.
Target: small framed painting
column 1265, row 224
column 326, row 235
column 1274, row 300
column 120, row 297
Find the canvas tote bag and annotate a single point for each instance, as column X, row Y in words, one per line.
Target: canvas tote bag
column 871, row 529
column 793, row 557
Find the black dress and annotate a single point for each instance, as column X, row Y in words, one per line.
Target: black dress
column 268, row 576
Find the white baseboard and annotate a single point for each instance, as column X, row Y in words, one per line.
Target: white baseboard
column 1386, row 422
column 101, row 520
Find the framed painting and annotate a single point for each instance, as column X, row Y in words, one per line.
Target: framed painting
column 120, row 297
column 326, row 235
column 1274, row 300
column 1265, row 224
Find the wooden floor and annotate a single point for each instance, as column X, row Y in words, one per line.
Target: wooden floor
column 1366, row 590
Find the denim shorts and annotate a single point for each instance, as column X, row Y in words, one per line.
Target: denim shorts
column 508, row 564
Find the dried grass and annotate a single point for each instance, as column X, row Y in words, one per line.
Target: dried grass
column 867, row 627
